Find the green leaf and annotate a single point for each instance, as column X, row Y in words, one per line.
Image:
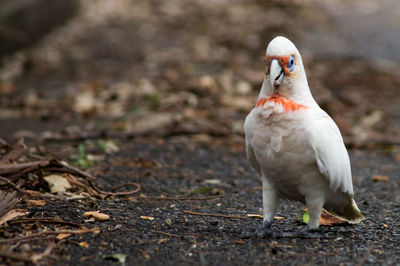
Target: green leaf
column 153, row 100
column 81, row 149
column 305, row 217
column 118, row 256
column 202, row 190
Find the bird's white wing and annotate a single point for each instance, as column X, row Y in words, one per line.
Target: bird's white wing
column 331, row 154
column 251, row 157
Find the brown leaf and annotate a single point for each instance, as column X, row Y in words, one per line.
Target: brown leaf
column 377, row 178
column 62, row 236
column 36, row 202
column 327, row 219
column 84, row 244
column 147, row 217
column 10, row 215
column 260, row 216
column 97, row 215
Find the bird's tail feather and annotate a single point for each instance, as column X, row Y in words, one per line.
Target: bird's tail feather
column 349, row 213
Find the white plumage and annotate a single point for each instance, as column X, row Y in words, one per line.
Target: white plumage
column 294, row 145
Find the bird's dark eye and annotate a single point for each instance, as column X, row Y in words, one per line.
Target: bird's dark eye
column 291, row 63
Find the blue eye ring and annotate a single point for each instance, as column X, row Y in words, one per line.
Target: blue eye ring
column 291, row 63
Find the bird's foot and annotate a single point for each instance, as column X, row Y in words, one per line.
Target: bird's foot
column 260, row 232
column 305, row 232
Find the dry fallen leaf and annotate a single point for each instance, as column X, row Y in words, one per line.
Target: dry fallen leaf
column 377, row 178
column 162, row 240
column 147, row 217
column 325, row 219
column 10, row 215
column 57, row 183
column 255, row 215
column 36, row 202
column 212, row 181
column 97, row 215
column 280, row 218
column 84, row 244
column 240, row 242
column 62, row 236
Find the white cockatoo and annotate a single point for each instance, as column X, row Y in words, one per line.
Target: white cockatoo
column 295, row 146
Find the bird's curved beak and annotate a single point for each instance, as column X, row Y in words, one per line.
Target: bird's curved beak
column 276, row 74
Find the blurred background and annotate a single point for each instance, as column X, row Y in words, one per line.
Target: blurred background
column 162, row 68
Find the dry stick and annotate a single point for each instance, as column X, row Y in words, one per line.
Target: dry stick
column 177, row 198
column 15, row 167
column 45, row 253
column 73, row 232
column 42, row 220
column 12, row 184
column 27, row 170
column 365, row 257
column 215, row 215
column 28, row 192
column 165, row 233
column 117, row 193
column 75, row 181
column 80, row 172
column 127, row 184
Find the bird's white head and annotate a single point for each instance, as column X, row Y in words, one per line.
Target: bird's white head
column 284, row 73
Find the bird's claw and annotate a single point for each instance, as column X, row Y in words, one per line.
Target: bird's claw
column 260, row 232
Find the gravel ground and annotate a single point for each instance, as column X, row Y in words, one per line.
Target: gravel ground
column 174, row 166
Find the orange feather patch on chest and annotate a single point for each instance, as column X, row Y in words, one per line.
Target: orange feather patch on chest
column 288, row 105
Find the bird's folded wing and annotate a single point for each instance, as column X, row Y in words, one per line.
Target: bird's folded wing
column 251, row 157
column 331, row 154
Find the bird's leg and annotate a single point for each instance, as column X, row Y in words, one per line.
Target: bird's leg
column 270, row 206
column 314, row 205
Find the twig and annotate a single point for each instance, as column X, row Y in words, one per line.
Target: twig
column 6, row 169
column 14, row 256
column 28, row 192
column 76, row 170
column 75, row 181
column 182, row 198
column 51, row 245
column 365, row 257
column 12, row 184
column 165, row 233
column 215, row 215
column 138, row 187
column 24, row 171
column 43, row 220
column 73, row 232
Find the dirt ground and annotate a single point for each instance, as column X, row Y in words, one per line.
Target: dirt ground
column 153, row 95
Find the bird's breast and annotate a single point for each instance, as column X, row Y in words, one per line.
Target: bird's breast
column 281, row 146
